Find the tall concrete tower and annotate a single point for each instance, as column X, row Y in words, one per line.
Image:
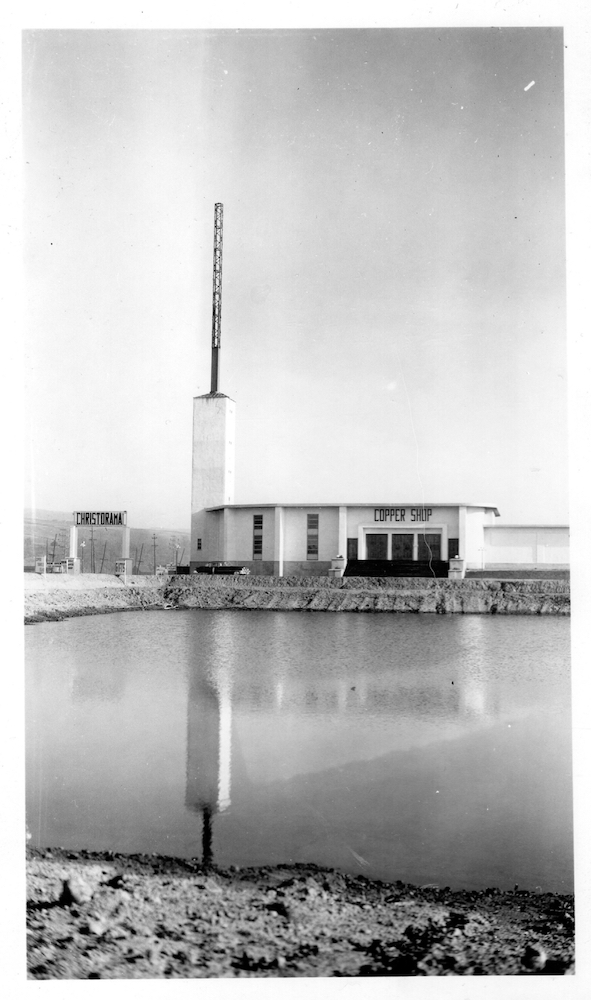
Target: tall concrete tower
column 213, row 435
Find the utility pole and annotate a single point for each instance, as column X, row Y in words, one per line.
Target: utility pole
column 207, row 837
column 154, row 540
column 174, row 547
column 103, row 559
column 91, row 549
column 216, row 323
column 137, row 569
column 63, row 542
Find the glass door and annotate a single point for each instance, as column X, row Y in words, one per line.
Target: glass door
column 377, row 546
column 429, row 547
column 402, row 546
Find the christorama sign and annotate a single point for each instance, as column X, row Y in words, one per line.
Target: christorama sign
column 100, row 518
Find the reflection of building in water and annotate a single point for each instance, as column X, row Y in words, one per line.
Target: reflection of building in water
column 271, row 705
column 394, row 710
column 209, row 734
column 277, row 682
column 386, row 694
column 332, row 718
column 474, row 697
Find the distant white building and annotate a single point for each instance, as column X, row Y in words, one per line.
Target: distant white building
column 526, row 546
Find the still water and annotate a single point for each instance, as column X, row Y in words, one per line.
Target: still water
column 427, row 748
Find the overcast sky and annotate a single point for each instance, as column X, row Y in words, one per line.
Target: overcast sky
column 393, row 320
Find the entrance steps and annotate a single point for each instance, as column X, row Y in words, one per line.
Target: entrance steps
column 396, row 567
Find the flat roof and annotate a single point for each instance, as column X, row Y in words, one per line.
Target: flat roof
column 414, row 503
column 564, row 527
column 214, row 395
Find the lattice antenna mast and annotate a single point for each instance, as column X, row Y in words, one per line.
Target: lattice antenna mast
column 216, row 324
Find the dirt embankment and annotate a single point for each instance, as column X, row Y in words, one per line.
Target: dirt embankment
column 52, row 599
column 106, row 916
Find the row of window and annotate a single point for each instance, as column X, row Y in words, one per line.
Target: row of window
column 312, row 540
column 311, row 536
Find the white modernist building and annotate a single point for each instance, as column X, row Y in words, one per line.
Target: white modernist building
column 287, row 539
column 296, row 539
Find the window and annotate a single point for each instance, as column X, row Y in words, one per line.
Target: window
column 198, row 543
column 257, row 536
column 352, row 548
column 312, row 538
column 453, row 547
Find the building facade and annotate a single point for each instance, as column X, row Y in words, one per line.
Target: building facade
column 297, row 539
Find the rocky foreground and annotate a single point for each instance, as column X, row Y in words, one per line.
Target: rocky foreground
column 54, row 597
column 109, row 916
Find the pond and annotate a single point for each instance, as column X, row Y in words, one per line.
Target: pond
column 427, row 748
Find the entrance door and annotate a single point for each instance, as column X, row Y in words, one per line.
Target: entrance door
column 377, row 546
column 401, row 546
column 429, row 547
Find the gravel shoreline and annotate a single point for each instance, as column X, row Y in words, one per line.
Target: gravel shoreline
column 57, row 598
column 113, row 916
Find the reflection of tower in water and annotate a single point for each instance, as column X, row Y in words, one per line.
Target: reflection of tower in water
column 264, row 682
column 209, row 734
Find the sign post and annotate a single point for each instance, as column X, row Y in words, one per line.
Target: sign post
column 104, row 519
column 121, row 569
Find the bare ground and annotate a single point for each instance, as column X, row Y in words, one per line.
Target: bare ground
column 56, row 598
column 110, row 916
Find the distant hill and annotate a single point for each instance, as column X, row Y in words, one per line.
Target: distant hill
column 47, row 532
